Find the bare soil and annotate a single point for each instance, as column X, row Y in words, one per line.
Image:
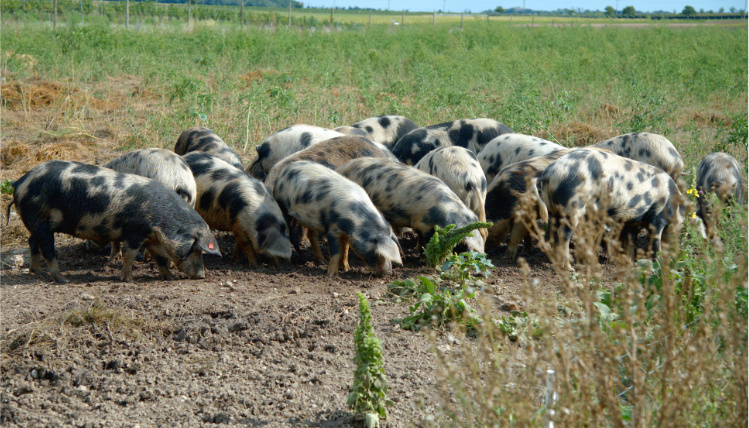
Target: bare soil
column 247, row 346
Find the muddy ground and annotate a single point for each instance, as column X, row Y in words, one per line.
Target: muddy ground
column 255, row 347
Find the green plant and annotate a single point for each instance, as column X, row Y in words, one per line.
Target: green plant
column 460, row 267
column 441, row 244
column 6, row 188
column 439, row 306
column 368, row 397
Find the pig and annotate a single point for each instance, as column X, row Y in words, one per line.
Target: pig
column 652, row 149
column 284, row 143
column 472, row 134
column 350, row 130
column 322, row 200
column 229, row 199
column 386, row 130
column 332, row 153
column 161, row 165
column 201, row 139
column 510, row 148
column 511, row 196
column 96, row 203
column 412, row 198
column 634, row 194
column 718, row 173
column 460, row 170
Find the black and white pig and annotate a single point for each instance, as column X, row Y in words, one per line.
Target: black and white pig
column 229, row 199
column 161, row 165
column 201, row 139
column 634, row 194
column 472, row 134
column 460, row 170
column 322, row 200
column 512, row 200
column 510, row 148
column 332, row 153
column 284, row 143
column 645, row 147
column 102, row 205
column 718, row 173
column 408, row 197
column 386, row 130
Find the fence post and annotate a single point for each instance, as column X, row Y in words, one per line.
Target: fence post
column 434, row 19
column 241, row 13
column 533, row 18
column 331, row 17
column 290, row 13
column 461, row 21
column 510, row 20
column 189, row 12
column 83, row 20
column 403, row 16
column 127, row 13
column 54, row 14
column 370, row 17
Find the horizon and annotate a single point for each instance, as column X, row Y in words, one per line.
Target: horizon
column 479, row 6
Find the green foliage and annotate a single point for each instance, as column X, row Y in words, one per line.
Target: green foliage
column 629, row 12
column 369, row 393
column 460, row 267
column 610, row 12
column 441, row 245
column 688, row 11
column 6, row 188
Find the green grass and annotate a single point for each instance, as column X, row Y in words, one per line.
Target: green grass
column 659, row 79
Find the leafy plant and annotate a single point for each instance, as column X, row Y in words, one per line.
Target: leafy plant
column 441, row 245
column 461, row 266
column 368, row 398
column 6, row 188
column 439, row 306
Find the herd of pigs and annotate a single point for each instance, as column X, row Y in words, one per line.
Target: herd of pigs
column 356, row 185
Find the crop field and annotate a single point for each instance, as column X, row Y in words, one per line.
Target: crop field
column 482, row 341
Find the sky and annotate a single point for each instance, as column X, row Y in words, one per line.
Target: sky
column 482, row 5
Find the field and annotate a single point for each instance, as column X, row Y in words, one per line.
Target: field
column 631, row 345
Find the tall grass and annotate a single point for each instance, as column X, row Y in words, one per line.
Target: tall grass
column 665, row 345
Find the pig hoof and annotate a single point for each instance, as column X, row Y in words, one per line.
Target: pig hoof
column 60, row 279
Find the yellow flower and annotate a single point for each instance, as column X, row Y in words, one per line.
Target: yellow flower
column 692, row 192
column 694, row 216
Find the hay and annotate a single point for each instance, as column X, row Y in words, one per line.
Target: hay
column 14, row 152
column 580, row 134
column 608, row 111
column 17, row 96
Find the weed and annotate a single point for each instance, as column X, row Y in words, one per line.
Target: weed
column 368, row 397
column 441, row 245
column 6, row 188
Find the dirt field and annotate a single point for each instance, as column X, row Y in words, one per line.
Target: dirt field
column 256, row 347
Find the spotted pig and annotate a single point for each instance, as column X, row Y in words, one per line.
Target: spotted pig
column 718, row 173
column 332, row 153
column 322, row 200
column 472, row 134
column 200, row 139
column 412, row 198
column 284, row 143
column 634, row 194
column 229, row 199
column 96, row 203
column 510, row 148
column 162, row 165
column 460, row 170
column 652, row 149
column 512, row 201
column 386, row 130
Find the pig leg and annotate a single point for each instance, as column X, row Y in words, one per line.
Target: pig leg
column 334, row 243
column 517, row 235
column 116, row 251
column 45, row 239
column 528, row 243
column 344, row 254
column 36, row 257
column 131, row 250
column 498, row 232
column 247, row 247
column 162, row 264
column 316, row 251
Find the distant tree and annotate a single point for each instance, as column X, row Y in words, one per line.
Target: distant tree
column 732, row 9
column 721, row 10
column 702, row 10
column 610, row 12
column 629, row 12
column 688, row 11
column 499, row 9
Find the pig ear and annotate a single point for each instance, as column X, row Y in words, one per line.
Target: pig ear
column 208, row 245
